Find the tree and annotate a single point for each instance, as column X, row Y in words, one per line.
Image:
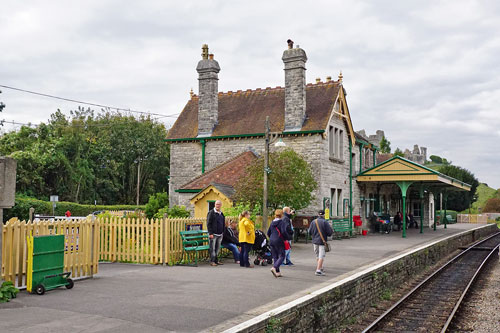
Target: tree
column 90, row 157
column 436, row 159
column 385, row 145
column 398, row 152
column 290, row 181
column 492, row 206
column 462, row 200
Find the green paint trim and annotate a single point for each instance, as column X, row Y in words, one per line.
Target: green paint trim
column 237, row 136
column 188, row 190
column 399, row 174
column 364, row 143
column 203, row 146
column 350, row 187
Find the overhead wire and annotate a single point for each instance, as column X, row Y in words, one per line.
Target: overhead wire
column 88, row 103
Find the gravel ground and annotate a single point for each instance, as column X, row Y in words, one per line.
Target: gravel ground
column 481, row 312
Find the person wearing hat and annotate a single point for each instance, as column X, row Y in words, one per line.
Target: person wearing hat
column 320, row 229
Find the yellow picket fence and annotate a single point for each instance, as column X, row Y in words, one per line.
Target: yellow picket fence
column 81, row 246
column 155, row 241
column 472, row 218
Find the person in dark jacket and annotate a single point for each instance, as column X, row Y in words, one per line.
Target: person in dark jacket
column 318, row 245
column 398, row 220
column 278, row 232
column 287, row 214
column 215, row 227
column 230, row 240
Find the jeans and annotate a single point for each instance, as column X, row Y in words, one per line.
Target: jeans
column 233, row 248
column 278, row 253
column 287, row 256
column 214, row 245
column 245, row 250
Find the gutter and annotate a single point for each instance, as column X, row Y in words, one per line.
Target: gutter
column 237, row 136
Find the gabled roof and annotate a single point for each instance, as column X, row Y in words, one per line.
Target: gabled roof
column 227, row 173
column 244, row 112
column 400, row 169
column 219, row 189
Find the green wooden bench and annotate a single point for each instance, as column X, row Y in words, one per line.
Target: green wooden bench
column 340, row 227
column 193, row 242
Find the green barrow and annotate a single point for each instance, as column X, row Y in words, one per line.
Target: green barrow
column 46, row 264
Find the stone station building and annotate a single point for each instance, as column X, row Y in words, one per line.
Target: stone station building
column 215, row 128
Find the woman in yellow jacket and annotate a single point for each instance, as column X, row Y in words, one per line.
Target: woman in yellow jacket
column 246, row 238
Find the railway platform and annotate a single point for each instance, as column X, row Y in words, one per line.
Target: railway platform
column 131, row 298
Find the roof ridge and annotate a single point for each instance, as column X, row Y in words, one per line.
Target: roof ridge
column 260, row 90
column 218, row 167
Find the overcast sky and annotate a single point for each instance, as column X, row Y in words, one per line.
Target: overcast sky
column 426, row 72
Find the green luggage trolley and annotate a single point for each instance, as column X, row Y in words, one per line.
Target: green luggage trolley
column 46, row 264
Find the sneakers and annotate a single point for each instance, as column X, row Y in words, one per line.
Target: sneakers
column 213, row 264
column 237, row 262
column 289, row 263
column 219, row 263
column 249, row 266
column 319, row 273
column 273, row 271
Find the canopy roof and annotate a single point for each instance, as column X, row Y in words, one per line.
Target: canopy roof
column 399, row 169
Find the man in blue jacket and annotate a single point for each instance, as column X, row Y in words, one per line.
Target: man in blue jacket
column 215, row 227
column 317, row 240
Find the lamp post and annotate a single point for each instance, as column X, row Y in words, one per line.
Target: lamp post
column 268, row 138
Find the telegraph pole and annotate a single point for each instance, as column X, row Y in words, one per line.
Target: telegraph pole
column 266, row 173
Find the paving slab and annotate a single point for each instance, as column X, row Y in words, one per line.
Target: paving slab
column 147, row 298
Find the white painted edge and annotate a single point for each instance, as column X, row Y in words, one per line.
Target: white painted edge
column 315, row 293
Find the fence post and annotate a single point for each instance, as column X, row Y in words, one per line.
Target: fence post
column 163, row 239
column 92, row 236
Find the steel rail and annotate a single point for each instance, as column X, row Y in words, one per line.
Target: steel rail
column 396, row 305
column 464, row 293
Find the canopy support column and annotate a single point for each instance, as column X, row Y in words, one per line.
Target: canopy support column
column 446, row 193
column 421, row 192
column 404, row 185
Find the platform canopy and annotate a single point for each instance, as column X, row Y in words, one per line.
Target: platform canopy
column 406, row 173
column 398, row 169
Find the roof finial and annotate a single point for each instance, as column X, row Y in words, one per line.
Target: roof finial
column 204, row 51
column 340, row 76
column 191, row 93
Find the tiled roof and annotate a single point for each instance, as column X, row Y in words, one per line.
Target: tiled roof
column 227, row 173
column 381, row 158
column 244, row 112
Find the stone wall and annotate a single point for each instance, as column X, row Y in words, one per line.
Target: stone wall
column 185, row 161
column 327, row 308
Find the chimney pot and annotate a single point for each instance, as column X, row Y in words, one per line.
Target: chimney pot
column 328, row 78
column 318, row 80
column 211, row 56
column 204, row 51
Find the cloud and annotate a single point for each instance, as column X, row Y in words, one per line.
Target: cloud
column 423, row 71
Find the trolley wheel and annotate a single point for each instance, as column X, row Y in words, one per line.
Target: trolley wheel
column 256, row 262
column 70, row 284
column 264, row 263
column 40, row 289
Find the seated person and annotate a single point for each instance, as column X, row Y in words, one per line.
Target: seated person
column 411, row 221
column 230, row 240
column 398, row 220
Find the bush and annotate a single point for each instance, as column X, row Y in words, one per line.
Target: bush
column 240, row 207
column 23, row 204
column 155, row 203
column 173, row 212
column 7, row 291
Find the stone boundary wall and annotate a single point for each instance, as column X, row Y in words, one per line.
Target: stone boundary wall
column 330, row 307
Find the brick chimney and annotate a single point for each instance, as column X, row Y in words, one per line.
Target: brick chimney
column 208, row 102
column 295, row 87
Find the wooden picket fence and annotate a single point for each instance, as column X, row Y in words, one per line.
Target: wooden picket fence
column 81, row 250
column 128, row 240
column 472, row 218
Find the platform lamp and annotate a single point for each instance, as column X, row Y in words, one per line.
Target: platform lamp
column 270, row 137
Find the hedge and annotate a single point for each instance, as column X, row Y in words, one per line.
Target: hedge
column 23, row 204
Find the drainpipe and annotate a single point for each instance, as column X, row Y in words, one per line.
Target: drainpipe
column 350, row 187
column 203, row 146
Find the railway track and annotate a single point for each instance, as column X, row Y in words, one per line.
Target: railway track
column 432, row 304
